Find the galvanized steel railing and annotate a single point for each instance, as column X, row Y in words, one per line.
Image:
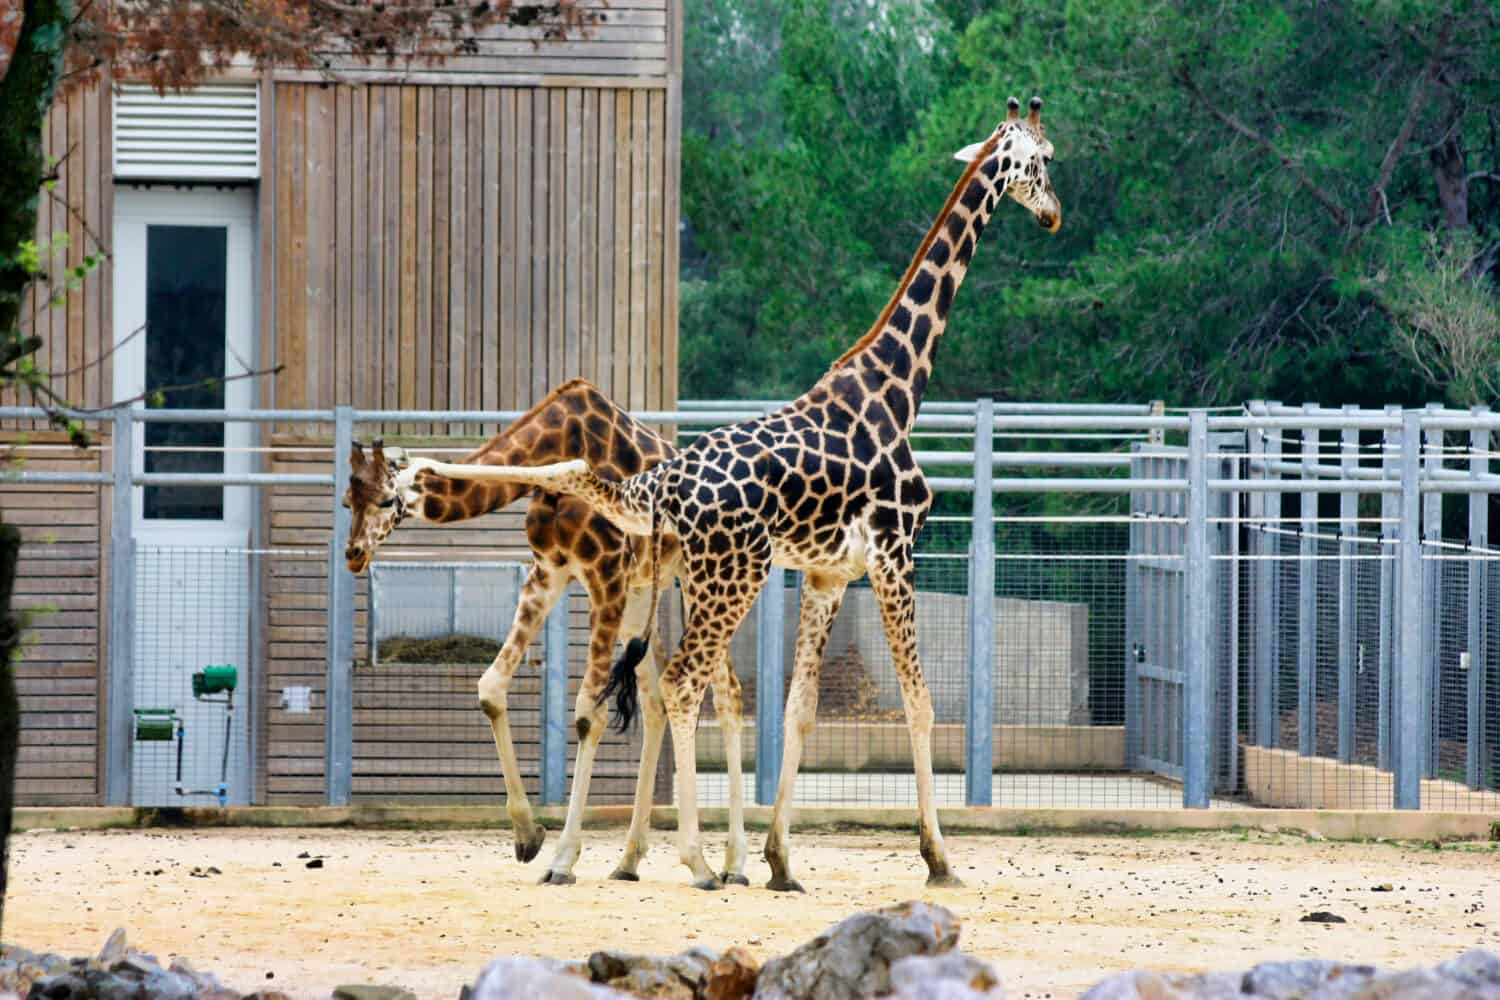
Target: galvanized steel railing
column 1407, row 479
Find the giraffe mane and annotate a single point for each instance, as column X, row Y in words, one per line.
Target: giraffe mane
column 920, row 255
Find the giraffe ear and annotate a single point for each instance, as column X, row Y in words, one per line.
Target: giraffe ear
column 396, row 458
column 969, row 153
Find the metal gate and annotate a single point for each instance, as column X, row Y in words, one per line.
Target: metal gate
column 1155, row 619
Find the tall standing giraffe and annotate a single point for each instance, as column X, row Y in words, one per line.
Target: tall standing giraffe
column 827, row 485
column 569, row 541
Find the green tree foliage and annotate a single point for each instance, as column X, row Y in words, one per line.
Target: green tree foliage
column 1295, row 201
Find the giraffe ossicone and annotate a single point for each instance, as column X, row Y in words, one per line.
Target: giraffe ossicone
column 828, row 485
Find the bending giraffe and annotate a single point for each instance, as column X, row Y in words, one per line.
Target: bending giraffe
column 569, row 541
column 827, row 485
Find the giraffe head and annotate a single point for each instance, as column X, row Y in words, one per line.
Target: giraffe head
column 376, row 500
column 1016, row 155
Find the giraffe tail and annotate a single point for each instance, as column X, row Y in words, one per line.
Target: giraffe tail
column 621, row 685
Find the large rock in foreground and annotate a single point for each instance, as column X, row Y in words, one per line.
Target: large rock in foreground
column 1474, row 975
column 853, row 959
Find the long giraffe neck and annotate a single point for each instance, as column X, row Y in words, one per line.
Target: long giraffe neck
column 893, row 360
column 575, row 420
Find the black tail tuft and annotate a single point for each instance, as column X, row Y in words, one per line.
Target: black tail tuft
column 622, row 683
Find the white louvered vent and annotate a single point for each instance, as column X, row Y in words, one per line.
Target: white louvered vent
column 208, row 133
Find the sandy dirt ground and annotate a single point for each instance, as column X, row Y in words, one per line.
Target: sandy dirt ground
column 427, row 910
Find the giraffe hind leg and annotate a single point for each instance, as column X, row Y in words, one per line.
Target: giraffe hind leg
column 892, row 579
column 729, row 708
column 605, row 616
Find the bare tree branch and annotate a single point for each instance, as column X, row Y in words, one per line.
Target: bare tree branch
column 1414, row 103
column 1322, row 197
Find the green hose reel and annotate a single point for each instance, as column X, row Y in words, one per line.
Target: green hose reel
column 164, row 725
column 215, row 679
column 155, row 725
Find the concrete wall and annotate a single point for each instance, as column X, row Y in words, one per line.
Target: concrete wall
column 886, row 746
column 1282, row 779
column 1041, row 656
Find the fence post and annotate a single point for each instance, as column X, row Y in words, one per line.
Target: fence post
column 1266, row 445
column 1307, row 600
column 1478, row 609
column 120, row 736
column 555, row 704
column 770, row 684
column 338, row 772
column 980, row 757
column 1432, row 531
column 1348, row 531
column 1198, row 582
column 1390, row 610
column 1409, row 726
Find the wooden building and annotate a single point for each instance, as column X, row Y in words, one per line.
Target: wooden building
column 458, row 237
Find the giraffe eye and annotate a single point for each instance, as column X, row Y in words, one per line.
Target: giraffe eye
column 388, row 502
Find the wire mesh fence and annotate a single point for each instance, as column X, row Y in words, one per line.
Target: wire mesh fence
column 1335, row 636
column 193, row 695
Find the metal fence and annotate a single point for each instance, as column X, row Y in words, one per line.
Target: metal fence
column 1273, row 605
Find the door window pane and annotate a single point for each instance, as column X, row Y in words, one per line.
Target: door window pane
column 185, row 310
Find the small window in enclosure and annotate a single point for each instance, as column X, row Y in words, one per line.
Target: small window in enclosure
column 441, row 612
column 186, row 269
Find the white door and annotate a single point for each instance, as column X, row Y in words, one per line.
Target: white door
column 185, row 323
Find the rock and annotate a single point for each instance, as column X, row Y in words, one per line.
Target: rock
column 267, row 995
column 1382, row 887
column 1167, row 986
column 674, row 977
column 114, row 948
column 532, row 979
column 161, row 985
column 954, row 976
column 139, row 964
column 731, row 976
column 1420, row 984
column 1322, row 917
column 1307, row 977
column 367, row 992
column 852, row 960
column 1477, row 969
column 315, row 863
column 65, row 986
column 107, row 986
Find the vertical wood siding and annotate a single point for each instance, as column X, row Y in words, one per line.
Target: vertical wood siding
column 58, row 582
column 472, row 247
column 77, row 334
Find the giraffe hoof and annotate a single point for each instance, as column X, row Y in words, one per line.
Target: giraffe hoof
column 709, row 885
column 557, row 878
column 784, row 885
column 528, row 848
column 733, row 878
column 621, row 875
column 945, row 880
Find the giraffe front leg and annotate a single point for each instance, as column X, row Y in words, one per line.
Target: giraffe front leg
column 729, row 706
column 590, row 716
column 654, row 725
column 821, row 598
column 540, row 591
column 892, row 579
